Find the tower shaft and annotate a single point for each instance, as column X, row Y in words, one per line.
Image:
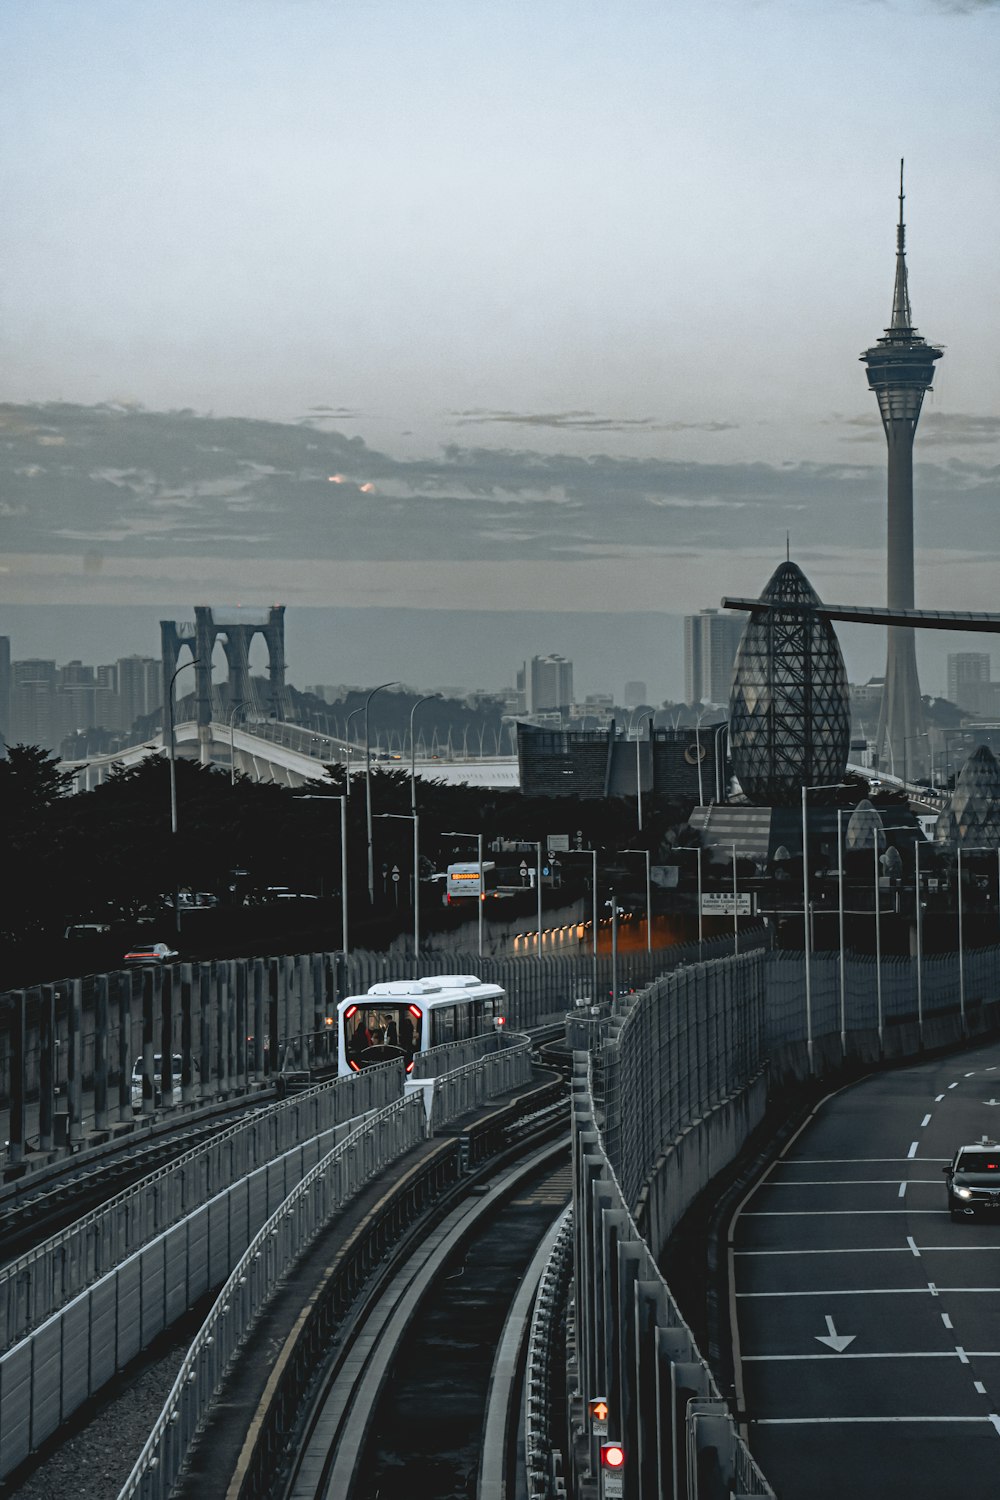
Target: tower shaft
column 900, row 369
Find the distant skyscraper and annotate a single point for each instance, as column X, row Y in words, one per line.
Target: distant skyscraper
column 635, row 693
column 969, row 679
column 711, row 641
column 139, row 687
column 900, row 369
column 33, row 707
column 4, row 689
column 551, row 683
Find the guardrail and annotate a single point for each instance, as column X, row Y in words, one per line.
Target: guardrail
column 466, row 1088
column 544, row 1458
column 45, row 1279
column 267, row 1259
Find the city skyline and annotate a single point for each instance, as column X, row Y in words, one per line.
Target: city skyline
column 568, row 309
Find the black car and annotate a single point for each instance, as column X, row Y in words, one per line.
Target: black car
column 973, row 1180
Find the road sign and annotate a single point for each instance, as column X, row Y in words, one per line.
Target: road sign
column 395, row 872
column 721, row 904
column 598, row 1409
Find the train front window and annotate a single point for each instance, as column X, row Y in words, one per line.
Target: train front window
column 385, row 1027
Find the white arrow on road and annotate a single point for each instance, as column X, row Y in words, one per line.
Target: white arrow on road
column 837, row 1341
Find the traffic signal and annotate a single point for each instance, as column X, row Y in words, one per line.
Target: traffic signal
column 612, row 1456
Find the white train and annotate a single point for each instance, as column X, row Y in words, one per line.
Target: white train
column 405, row 1016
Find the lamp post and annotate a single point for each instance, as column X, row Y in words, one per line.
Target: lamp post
column 908, row 740
column 807, row 936
column 840, row 930
column 368, row 789
column 613, row 903
column 347, row 747
column 697, row 858
column 649, row 903
column 646, row 714
column 172, row 751
column 697, row 751
column 718, row 773
column 413, row 752
column 920, row 940
column 237, row 708
column 412, row 818
column 455, row 834
column 879, row 834
column 538, row 887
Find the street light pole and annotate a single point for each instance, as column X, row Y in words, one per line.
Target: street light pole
column 237, row 708
column 920, row 941
column 347, row 748
column 368, row 790
column 840, row 929
column 697, row 751
column 718, row 772
column 172, row 752
column 961, row 951
column 646, row 714
column 307, row 797
column 455, row 834
column 878, row 941
column 649, row 903
column 413, row 752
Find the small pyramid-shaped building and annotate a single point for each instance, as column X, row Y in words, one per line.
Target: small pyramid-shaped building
column 972, row 818
column 864, row 828
column 789, row 712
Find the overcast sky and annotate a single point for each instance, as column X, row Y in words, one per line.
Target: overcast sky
column 585, row 283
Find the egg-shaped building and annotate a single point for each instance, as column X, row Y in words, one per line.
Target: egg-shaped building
column 789, row 711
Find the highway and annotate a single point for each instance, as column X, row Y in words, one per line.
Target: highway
column 866, row 1322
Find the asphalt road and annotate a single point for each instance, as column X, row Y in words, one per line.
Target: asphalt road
column 867, row 1323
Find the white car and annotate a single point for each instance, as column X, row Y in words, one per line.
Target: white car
column 150, row 953
column 176, row 1064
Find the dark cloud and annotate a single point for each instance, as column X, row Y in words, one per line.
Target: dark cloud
column 582, row 421
column 129, row 480
column 955, row 429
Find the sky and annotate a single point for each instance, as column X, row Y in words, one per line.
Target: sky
column 447, row 312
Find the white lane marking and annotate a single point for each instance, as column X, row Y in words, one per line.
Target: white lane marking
column 961, row 1354
column 911, row 1243
column 977, row 1385
column 824, row 1421
column 913, row 1149
column 879, row 1291
column 946, row 1320
column 874, row 1250
column 816, row 1213
column 951, row 1085
column 967, row 1075
column 925, row 1121
column 837, row 1161
column 881, row 1354
column 937, row 1097
column 849, row 1182
column 992, row 1066
column 902, row 1187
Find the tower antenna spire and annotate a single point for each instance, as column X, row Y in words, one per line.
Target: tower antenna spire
column 902, row 316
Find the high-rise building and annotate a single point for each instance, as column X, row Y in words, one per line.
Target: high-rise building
column 551, row 683
column 33, row 706
column 635, row 693
column 139, row 684
column 711, row 641
column 969, row 680
column 4, row 690
column 900, row 369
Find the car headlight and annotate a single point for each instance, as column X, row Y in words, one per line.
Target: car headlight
column 963, row 1192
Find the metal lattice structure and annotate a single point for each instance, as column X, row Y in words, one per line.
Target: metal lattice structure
column 789, row 713
column 973, row 816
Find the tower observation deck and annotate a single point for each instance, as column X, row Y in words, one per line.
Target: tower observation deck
column 900, row 368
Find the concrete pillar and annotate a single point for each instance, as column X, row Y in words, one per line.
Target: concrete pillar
column 305, row 1027
column 74, row 1061
column 241, row 1023
column 222, row 1027
column 259, row 1014
column 274, row 1027
column 206, row 1012
column 187, row 1036
column 165, row 982
column 125, row 1050
column 46, row 1064
column 101, row 1045
column 17, row 1077
column 148, row 1043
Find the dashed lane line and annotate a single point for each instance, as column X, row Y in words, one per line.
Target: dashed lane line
column 846, row 1421
column 882, row 1291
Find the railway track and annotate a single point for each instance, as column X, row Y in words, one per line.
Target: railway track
column 405, row 1410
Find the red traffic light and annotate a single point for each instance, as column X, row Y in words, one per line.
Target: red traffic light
column 612, row 1456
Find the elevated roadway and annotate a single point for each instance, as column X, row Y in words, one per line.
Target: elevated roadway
column 867, row 1322
column 290, row 755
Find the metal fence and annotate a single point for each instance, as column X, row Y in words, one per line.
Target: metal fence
column 267, row 1259
column 46, row 1278
column 634, row 1351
